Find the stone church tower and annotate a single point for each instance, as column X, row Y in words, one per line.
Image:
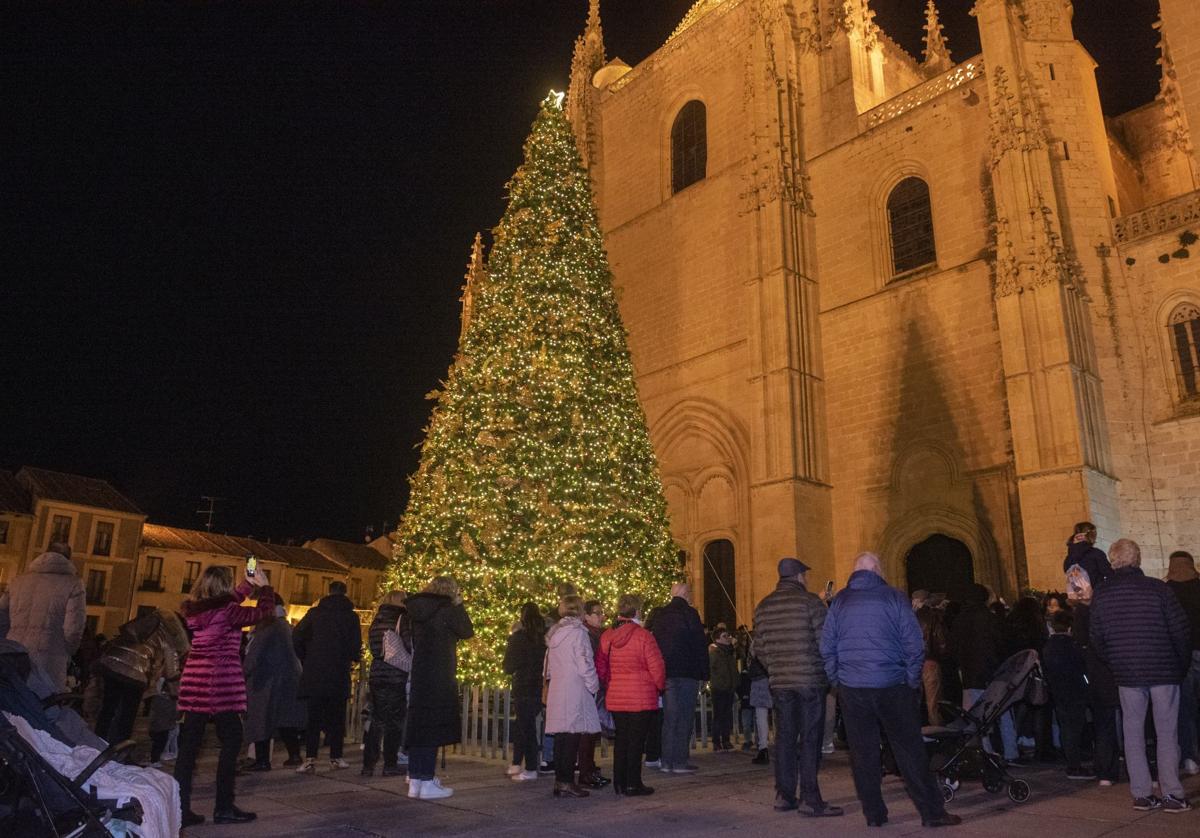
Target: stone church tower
column 937, row 310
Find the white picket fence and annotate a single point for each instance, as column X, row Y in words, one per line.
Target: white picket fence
column 488, row 715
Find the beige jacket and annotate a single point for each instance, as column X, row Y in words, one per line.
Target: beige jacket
column 45, row 610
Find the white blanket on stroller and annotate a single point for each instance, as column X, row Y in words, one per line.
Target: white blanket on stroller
column 157, row 792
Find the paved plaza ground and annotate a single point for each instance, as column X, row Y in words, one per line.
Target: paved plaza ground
column 727, row 795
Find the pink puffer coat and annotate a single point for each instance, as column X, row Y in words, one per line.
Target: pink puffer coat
column 212, row 677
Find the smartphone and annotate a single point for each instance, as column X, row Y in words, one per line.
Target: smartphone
column 829, row 589
column 251, row 564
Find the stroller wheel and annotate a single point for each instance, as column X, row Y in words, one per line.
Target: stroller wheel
column 1018, row 791
column 947, row 792
column 993, row 785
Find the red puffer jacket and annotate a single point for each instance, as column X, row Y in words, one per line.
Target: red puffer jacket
column 630, row 663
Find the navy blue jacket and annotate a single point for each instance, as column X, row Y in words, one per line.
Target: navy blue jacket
column 1066, row 671
column 1090, row 558
column 871, row 637
column 1139, row 629
column 681, row 639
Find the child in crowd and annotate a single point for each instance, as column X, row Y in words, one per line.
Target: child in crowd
column 1066, row 675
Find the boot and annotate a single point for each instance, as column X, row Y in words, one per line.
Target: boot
column 762, row 759
column 569, row 790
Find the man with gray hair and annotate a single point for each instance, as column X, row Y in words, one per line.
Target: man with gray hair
column 873, row 652
column 45, row 610
column 1140, row 630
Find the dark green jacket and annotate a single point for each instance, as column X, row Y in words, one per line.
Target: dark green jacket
column 722, row 666
column 787, row 637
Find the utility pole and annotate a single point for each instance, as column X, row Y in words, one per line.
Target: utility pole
column 209, row 511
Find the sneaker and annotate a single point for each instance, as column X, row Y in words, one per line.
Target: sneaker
column 1174, row 805
column 1190, row 767
column 827, row 748
column 309, row 766
column 1104, row 784
column 821, row 810
column 684, row 769
column 434, row 790
column 338, row 764
column 653, row 763
column 524, row 776
column 546, row 768
column 401, row 759
column 1080, row 774
column 514, row 769
column 414, row 788
column 1146, row 804
column 664, row 768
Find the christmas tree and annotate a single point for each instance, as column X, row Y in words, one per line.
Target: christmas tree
column 537, row 467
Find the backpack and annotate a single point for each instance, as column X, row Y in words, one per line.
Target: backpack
column 1079, row 585
column 396, row 652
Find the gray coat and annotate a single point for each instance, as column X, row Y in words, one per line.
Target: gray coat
column 45, row 611
column 787, row 637
column 272, row 681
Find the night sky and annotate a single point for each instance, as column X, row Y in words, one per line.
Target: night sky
column 233, row 234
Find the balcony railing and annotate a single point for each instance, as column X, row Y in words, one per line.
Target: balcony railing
column 97, row 597
column 154, row 585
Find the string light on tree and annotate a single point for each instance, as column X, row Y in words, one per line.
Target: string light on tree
column 537, row 467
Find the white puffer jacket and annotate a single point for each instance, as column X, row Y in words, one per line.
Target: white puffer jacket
column 45, row 611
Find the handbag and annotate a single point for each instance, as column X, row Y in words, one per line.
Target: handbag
column 395, row 652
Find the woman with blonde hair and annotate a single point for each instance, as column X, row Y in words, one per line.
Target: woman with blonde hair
column 213, row 687
column 571, row 701
column 438, row 622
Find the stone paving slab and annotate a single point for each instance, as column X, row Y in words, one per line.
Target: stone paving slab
column 728, row 795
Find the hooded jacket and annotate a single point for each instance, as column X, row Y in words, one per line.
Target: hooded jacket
column 571, row 701
column 787, row 636
column 45, row 610
column 212, row 676
column 631, row 665
column 434, row 714
column 1139, row 629
column 328, row 642
column 871, row 638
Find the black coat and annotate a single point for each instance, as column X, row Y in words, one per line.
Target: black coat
column 1090, row 558
column 1139, row 629
column 272, row 682
column 383, row 674
column 1188, row 594
column 1066, row 671
column 978, row 643
column 328, row 641
column 434, row 712
column 1102, row 687
column 523, row 658
column 681, row 639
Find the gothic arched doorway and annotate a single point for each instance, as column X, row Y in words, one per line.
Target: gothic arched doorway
column 720, row 592
column 940, row 564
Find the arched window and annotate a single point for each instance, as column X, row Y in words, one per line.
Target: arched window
column 1184, row 329
column 910, row 226
column 689, row 146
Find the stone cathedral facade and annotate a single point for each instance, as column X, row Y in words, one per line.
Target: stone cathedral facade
column 937, row 308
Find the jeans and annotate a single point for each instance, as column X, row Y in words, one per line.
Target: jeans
column 722, row 716
column 388, row 706
column 1163, row 702
column 679, row 717
column 799, row 730
column 630, row 744
column 118, row 712
column 894, row 711
column 566, row 750
column 191, row 734
column 525, row 738
column 762, row 726
column 327, row 714
column 1189, row 712
column 1008, row 728
column 422, row 762
column 1072, row 718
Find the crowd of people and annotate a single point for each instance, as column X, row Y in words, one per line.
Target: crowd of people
column 866, row 669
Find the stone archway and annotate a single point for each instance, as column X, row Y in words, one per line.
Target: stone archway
column 940, row 564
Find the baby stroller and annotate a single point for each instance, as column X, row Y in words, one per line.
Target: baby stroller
column 35, row 799
column 956, row 749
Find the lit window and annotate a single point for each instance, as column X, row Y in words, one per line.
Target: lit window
column 1184, row 328
column 910, row 226
column 104, row 537
column 689, row 146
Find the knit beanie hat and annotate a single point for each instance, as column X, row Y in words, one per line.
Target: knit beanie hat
column 1182, row 568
